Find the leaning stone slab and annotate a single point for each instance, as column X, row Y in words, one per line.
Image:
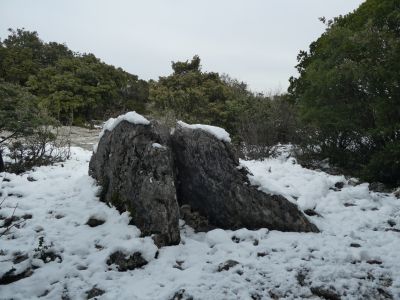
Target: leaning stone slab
column 209, row 179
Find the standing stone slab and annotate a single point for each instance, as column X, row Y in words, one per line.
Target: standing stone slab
column 133, row 164
column 210, row 180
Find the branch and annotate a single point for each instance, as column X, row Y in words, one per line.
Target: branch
column 6, row 196
column 9, row 137
column 11, row 225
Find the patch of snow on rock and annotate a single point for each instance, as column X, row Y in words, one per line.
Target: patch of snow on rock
column 132, row 117
column 158, row 146
column 218, row 132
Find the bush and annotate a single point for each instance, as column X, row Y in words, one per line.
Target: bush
column 348, row 90
column 30, row 137
column 266, row 122
column 44, row 146
column 384, row 165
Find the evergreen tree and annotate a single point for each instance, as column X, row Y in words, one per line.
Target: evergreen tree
column 348, row 91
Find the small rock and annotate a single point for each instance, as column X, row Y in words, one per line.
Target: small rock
column 355, row 245
column 59, row 217
column 374, row 262
column 392, row 223
column 10, row 276
column 275, row 294
column 326, row 293
column 45, row 293
column 181, row 295
column 178, row 265
column 98, row 246
column 262, row 254
column 8, row 221
column 339, row 185
column 94, row 292
column 19, row 257
column 93, row 222
column 15, row 195
column 235, row 239
column 31, row 179
column 311, row 213
column 349, row 204
column 255, row 296
column 27, row 216
column 230, row 263
column 392, row 229
column 125, row 262
column 301, row 277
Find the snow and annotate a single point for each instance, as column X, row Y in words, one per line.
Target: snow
column 132, row 117
column 218, row 132
column 158, row 146
column 271, row 264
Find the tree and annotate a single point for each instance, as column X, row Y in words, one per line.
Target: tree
column 81, row 88
column 23, row 54
column 72, row 87
column 348, row 91
column 193, row 95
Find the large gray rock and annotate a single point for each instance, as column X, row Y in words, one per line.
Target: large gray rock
column 210, row 180
column 133, row 165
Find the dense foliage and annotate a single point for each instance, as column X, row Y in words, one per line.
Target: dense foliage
column 348, row 92
column 71, row 87
column 195, row 96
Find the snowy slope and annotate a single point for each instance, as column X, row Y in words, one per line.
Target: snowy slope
column 355, row 256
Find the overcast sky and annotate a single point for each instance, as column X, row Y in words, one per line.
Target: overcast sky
column 255, row 41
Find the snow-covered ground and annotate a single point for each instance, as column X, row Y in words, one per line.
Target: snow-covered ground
column 356, row 255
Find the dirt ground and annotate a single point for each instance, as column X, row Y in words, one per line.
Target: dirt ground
column 82, row 137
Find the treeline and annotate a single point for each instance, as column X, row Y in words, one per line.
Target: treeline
column 73, row 88
column 344, row 105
